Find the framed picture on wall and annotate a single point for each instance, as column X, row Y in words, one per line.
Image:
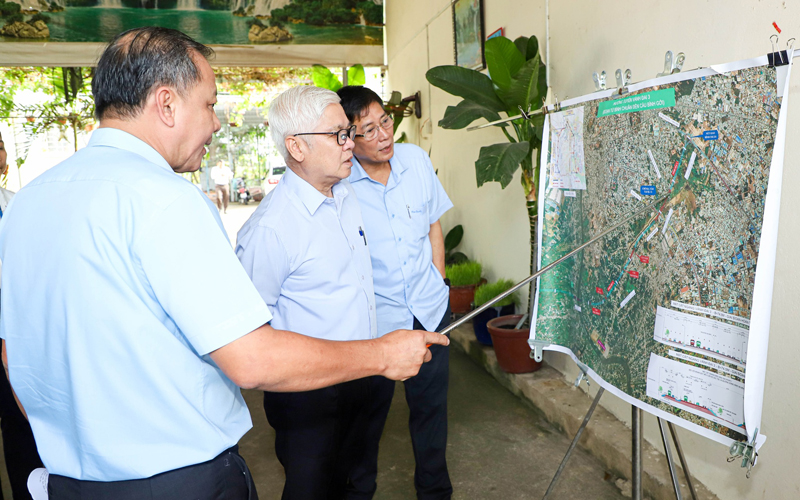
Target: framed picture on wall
column 468, row 33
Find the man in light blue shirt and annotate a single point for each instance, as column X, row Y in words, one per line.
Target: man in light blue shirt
column 307, row 252
column 123, row 354
column 401, row 201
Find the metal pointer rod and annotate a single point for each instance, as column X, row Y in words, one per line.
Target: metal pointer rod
column 506, row 120
column 548, row 267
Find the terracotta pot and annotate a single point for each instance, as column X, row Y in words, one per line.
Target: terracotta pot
column 480, row 321
column 511, row 345
column 461, row 298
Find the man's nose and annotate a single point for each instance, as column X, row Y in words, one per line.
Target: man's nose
column 217, row 124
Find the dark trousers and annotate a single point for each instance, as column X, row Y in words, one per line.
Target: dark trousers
column 426, row 396
column 327, row 439
column 18, row 444
column 225, row 477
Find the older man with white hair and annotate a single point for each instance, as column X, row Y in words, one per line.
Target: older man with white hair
column 307, row 253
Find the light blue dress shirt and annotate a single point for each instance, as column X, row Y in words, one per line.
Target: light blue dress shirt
column 308, row 256
column 398, row 219
column 109, row 316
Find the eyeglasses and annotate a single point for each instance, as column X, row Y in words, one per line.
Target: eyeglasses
column 341, row 135
column 386, row 123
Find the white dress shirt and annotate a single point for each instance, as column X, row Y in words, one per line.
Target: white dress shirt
column 307, row 255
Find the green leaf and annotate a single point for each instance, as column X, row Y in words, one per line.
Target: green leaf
column 356, row 75
column 466, row 112
column 323, row 78
column 503, row 60
column 522, row 45
column 455, row 258
column 532, row 49
column 542, row 87
column 466, row 83
column 524, row 87
column 498, row 162
column 453, row 238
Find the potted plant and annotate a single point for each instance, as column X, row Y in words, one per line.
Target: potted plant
column 464, row 277
column 511, row 345
column 451, row 241
column 517, row 82
column 483, row 294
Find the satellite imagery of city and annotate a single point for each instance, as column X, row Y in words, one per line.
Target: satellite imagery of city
column 660, row 308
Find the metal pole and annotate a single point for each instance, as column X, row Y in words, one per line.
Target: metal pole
column 509, row 119
column 574, row 443
column 636, row 455
column 668, row 452
column 548, row 267
column 679, row 450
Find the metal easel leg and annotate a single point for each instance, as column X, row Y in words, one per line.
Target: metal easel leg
column 679, row 450
column 636, row 455
column 667, row 451
column 574, row 443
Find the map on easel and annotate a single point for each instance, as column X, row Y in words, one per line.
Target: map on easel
column 661, row 309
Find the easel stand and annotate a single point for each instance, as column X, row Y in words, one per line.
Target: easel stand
column 637, row 422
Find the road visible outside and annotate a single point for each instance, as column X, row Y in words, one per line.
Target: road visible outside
column 498, row 446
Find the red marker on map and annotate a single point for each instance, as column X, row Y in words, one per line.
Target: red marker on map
column 775, row 25
column 610, row 286
column 634, row 274
column 675, row 167
column 644, row 259
column 599, row 290
column 596, row 311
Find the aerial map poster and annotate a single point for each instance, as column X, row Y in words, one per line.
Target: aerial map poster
column 671, row 311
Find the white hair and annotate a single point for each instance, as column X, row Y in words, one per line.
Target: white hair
column 297, row 110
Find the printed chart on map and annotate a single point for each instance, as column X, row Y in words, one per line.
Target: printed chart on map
column 567, row 169
column 660, row 310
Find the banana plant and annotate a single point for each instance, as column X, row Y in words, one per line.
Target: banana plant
column 326, row 79
column 516, row 82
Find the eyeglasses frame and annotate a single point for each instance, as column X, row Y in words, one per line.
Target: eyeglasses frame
column 379, row 126
column 351, row 134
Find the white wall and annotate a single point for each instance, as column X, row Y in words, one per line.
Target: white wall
column 419, row 35
column 588, row 36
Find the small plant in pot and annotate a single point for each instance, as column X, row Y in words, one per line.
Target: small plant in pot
column 451, row 241
column 464, row 277
column 505, row 307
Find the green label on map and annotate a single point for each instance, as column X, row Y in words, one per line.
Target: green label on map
column 640, row 102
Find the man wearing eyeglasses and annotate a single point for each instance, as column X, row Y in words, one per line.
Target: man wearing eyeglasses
column 401, row 202
column 306, row 250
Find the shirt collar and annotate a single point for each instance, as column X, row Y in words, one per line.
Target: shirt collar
column 357, row 171
column 116, row 138
column 309, row 195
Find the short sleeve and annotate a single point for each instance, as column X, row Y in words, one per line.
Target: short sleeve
column 196, row 277
column 265, row 260
column 439, row 202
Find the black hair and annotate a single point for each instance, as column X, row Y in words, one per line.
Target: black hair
column 140, row 60
column 356, row 101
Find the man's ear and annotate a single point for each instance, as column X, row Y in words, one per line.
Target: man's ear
column 294, row 149
column 165, row 103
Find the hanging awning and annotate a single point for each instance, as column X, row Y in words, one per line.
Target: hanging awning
column 86, row 54
column 242, row 32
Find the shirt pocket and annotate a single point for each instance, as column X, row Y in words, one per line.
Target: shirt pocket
column 418, row 215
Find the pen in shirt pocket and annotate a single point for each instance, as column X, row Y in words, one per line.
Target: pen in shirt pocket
column 361, row 233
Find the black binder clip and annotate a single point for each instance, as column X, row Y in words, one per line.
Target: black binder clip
column 777, row 58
